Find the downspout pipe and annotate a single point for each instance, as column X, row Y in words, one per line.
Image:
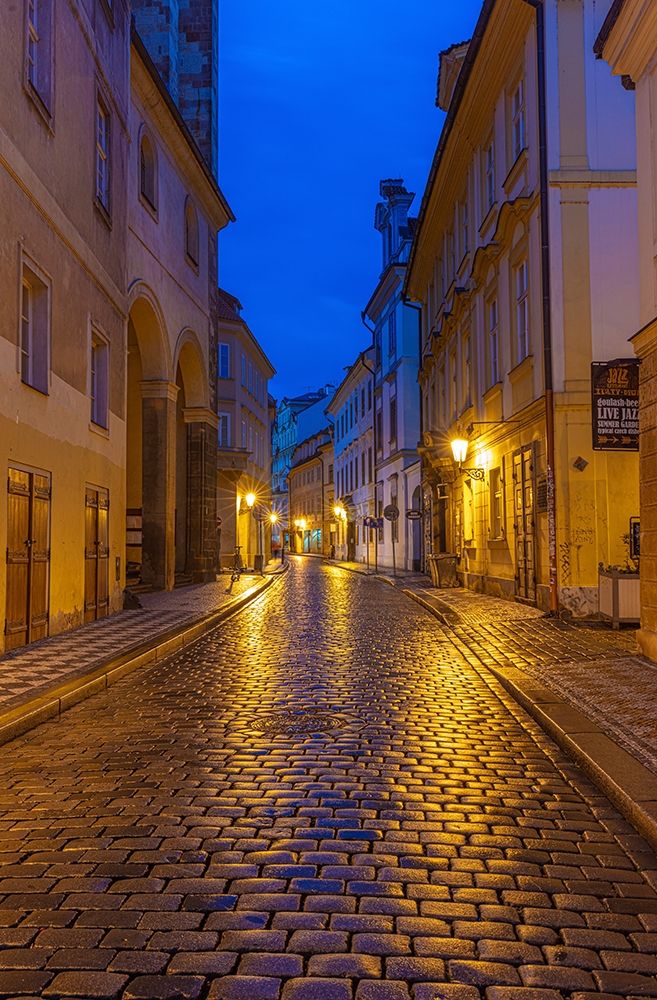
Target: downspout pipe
column 548, row 378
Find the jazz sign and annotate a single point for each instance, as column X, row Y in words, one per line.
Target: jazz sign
column 615, row 405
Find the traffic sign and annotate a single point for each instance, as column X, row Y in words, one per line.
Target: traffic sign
column 391, row 512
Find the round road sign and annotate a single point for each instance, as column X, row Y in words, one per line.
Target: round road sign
column 391, row 512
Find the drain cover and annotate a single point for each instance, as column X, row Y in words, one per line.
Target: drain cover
column 292, row 723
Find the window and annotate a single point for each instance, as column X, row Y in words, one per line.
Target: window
column 379, row 430
column 330, row 474
column 496, row 504
column 392, row 334
column 467, row 371
column 518, row 120
column 244, row 434
column 493, row 343
column 99, row 380
column 224, row 430
column 465, row 228
column 370, row 471
column 251, row 377
column 489, row 177
column 453, row 386
column 148, row 172
column 362, row 401
column 38, row 55
column 224, row 361
column 356, row 472
column 363, row 473
column 191, row 232
column 393, row 416
column 522, row 313
column 369, row 396
column 35, row 330
column 244, row 370
column 102, row 155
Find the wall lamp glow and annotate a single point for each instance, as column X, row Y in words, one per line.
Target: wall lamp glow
column 460, row 452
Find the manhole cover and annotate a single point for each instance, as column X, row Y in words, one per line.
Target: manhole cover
column 292, row 723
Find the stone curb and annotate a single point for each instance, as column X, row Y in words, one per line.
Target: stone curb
column 51, row 704
column 626, row 782
column 360, row 572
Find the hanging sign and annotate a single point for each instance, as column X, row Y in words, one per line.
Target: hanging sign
column 414, row 514
column 615, row 405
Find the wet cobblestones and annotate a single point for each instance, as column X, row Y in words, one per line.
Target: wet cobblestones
column 155, row 843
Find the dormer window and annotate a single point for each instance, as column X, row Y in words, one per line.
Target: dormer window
column 148, row 171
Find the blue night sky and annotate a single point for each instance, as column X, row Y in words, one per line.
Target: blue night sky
column 319, row 102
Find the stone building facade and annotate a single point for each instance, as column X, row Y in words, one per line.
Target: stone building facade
column 396, row 393
column 524, row 261
column 311, row 492
column 175, row 212
column 182, row 37
column 244, row 455
column 352, row 411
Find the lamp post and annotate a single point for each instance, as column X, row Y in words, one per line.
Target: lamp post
column 460, row 451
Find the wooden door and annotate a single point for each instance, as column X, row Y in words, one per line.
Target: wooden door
column 524, row 526
column 96, row 553
column 28, row 557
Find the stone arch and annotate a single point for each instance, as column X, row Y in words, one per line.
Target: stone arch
column 150, row 418
column 148, row 324
column 190, row 361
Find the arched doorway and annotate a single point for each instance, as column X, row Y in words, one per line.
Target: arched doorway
column 196, row 465
column 150, row 448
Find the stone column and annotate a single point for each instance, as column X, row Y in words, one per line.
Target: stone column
column 202, row 443
column 645, row 346
column 158, row 482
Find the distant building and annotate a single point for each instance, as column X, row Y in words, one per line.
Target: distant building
column 352, row 410
column 396, row 391
column 297, row 418
column 244, row 458
column 311, row 495
column 524, row 260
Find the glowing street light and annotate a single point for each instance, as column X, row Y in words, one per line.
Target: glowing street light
column 273, row 518
column 459, row 451
column 250, row 500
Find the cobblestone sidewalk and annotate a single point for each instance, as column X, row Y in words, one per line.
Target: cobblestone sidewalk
column 597, row 670
column 31, row 670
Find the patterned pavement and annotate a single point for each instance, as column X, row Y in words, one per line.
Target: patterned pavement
column 31, row 670
column 320, row 800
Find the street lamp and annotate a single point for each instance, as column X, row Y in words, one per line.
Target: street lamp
column 459, row 451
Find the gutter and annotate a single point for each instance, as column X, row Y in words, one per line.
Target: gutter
column 548, row 376
column 607, row 27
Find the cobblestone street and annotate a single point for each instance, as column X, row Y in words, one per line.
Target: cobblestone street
column 321, row 800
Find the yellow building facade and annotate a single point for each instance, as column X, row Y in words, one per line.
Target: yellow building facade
column 107, row 261
column 531, row 187
column 628, row 44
